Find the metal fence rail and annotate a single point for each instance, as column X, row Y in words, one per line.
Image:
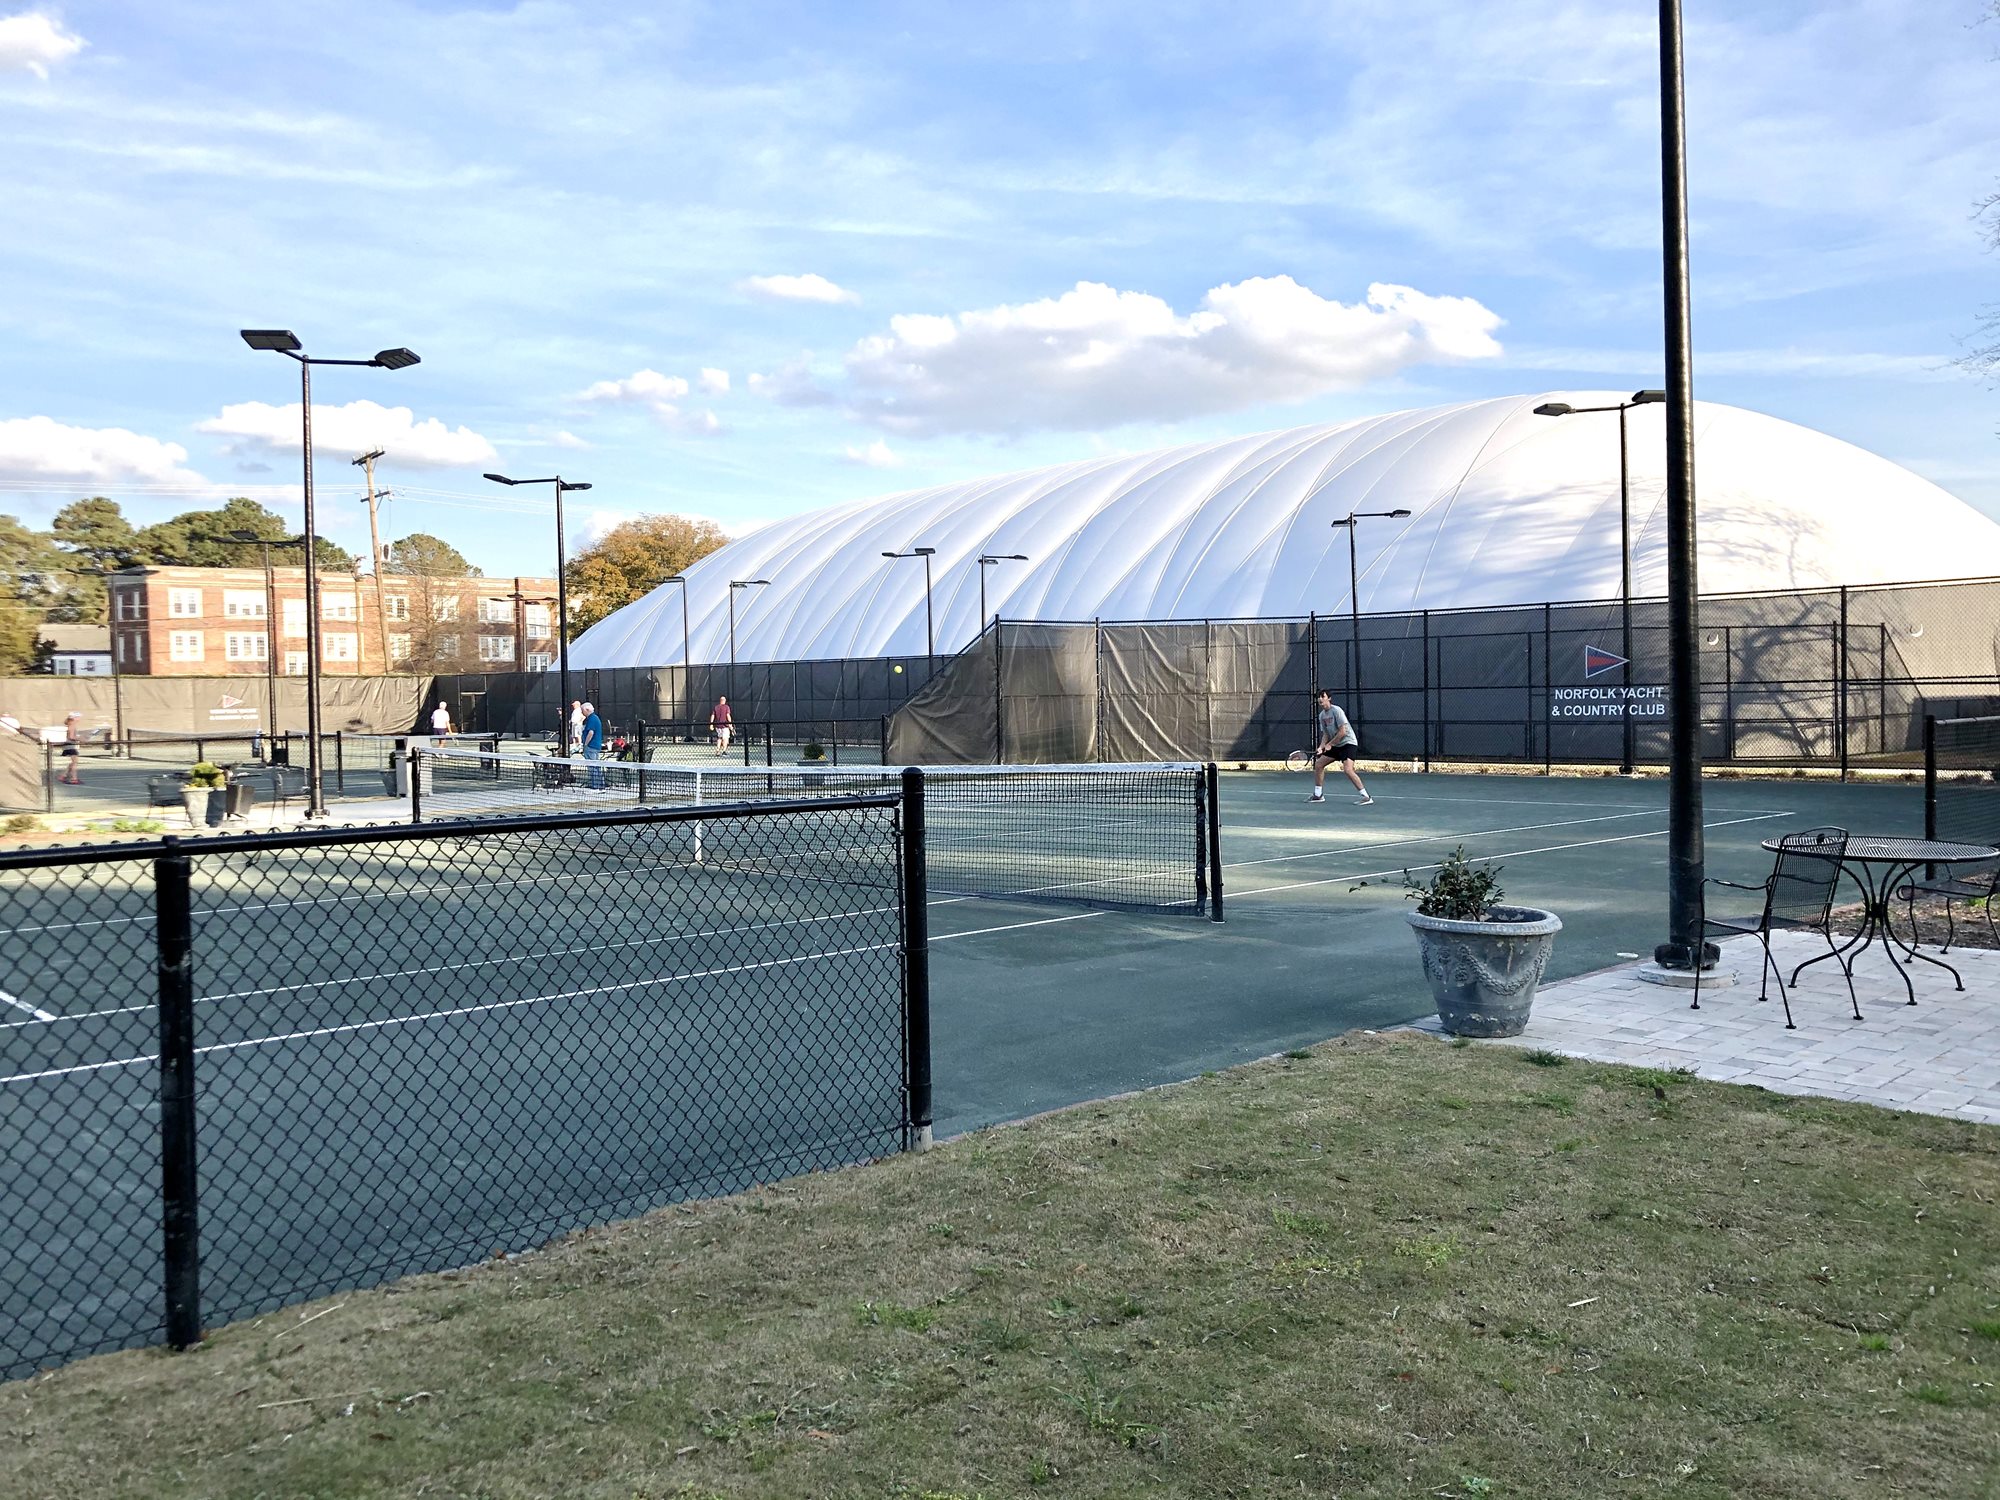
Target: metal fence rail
column 240, row 1072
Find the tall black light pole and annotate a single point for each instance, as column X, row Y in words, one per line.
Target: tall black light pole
column 734, row 585
column 562, row 596
column 1628, row 757
column 930, row 635
column 986, row 561
column 1354, row 585
column 687, row 670
column 1685, row 947
column 282, row 341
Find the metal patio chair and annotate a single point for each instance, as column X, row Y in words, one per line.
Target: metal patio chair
column 1798, row 897
column 1979, row 884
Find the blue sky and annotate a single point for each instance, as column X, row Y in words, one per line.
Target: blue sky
column 741, row 260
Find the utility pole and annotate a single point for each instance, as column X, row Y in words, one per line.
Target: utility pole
column 367, row 464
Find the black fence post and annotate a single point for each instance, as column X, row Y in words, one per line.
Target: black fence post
column 1214, row 851
column 1548, row 694
column 1427, row 690
column 48, row 777
column 339, row 763
column 999, row 700
column 1930, row 776
column 916, row 966
column 414, row 763
column 770, row 734
column 179, row 1194
column 1840, row 685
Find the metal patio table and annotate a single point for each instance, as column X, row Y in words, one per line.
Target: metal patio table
column 1878, row 865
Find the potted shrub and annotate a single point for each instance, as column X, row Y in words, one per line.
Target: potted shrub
column 814, row 750
column 1483, row 959
column 202, row 793
column 813, row 753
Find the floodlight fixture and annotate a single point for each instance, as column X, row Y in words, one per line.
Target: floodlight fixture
column 275, row 340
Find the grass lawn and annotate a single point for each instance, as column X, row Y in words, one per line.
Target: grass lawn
column 1389, row 1267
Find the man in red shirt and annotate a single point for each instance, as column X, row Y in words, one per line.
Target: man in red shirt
column 719, row 722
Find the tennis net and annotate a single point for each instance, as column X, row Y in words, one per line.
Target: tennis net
column 1962, row 780
column 1138, row 837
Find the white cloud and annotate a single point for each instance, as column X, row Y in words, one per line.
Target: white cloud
column 359, row 425
column 875, row 456
column 659, row 394
column 33, row 43
column 714, row 382
column 1097, row 357
column 807, row 288
column 39, row 448
column 568, row 440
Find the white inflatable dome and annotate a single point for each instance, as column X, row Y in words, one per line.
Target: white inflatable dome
column 1506, row 507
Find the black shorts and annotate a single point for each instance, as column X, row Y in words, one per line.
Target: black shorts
column 1340, row 753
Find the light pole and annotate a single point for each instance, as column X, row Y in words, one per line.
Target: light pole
column 562, row 595
column 987, row 560
column 1351, row 521
column 734, row 585
column 930, row 636
column 251, row 539
column 283, row 341
column 1564, row 409
column 687, row 671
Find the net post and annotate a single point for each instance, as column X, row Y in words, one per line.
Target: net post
column 916, row 966
column 415, row 763
column 1214, row 851
column 1840, row 685
column 339, row 763
column 179, row 1192
column 1930, row 782
column 48, row 777
column 885, row 740
column 769, row 735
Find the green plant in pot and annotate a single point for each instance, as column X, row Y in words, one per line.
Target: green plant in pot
column 814, row 750
column 202, row 793
column 1483, row 959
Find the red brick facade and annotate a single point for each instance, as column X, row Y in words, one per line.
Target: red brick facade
column 207, row 622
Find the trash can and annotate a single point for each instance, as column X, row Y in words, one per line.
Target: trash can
column 242, row 797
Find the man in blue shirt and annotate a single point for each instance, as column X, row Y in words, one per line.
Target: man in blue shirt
column 593, row 744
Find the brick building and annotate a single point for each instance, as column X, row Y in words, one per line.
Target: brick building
column 207, row 622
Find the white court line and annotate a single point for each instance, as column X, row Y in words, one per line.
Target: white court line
column 39, row 1015
column 1624, row 838
column 446, row 1015
column 1081, row 916
column 1431, row 838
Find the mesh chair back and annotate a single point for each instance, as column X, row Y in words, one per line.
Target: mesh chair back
column 1803, row 880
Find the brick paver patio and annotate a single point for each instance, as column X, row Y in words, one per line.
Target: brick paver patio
column 1940, row 1056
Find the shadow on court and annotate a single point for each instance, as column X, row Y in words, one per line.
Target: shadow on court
column 1035, row 1008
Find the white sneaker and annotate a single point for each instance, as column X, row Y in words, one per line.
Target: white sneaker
column 1363, row 800
column 1317, row 797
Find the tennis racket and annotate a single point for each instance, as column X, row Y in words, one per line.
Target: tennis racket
column 1299, row 760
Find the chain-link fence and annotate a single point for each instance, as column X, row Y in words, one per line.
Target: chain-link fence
column 240, row 1072
column 1837, row 679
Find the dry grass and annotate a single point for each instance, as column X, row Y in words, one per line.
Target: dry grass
column 1392, row 1267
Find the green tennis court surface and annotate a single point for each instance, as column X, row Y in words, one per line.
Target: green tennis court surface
column 1067, row 1007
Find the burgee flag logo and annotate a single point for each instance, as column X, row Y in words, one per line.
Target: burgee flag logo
column 1597, row 661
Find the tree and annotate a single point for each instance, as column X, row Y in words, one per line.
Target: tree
column 20, row 627
column 179, row 542
column 421, row 555
column 96, row 532
column 633, row 559
column 28, row 568
column 428, row 561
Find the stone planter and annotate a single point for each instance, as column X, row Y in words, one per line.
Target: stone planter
column 204, row 805
column 1483, row 974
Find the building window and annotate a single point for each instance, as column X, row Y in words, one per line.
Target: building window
column 538, row 621
column 399, row 649
column 496, row 648
column 243, row 604
column 496, row 612
column 131, row 604
column 184, row 645
column 340, row 645
column 447, row 608
column 184, row 604
column 244, row 646
column 337, row 606
column 397, row 605
column 295, row 664
column 538, row 661
column 295, row 617
column 447, row 645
